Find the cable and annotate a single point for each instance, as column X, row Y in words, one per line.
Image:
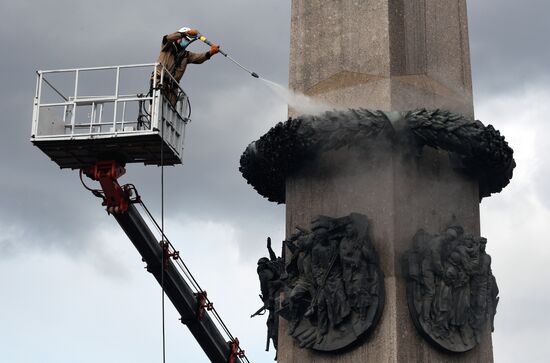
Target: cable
column 162, row 231
column 188, row 107
column 87, row 187
column 185, row 269
column 166, row 245
column 190, row 278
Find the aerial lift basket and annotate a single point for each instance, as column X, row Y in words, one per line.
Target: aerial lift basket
column 94, row 120
column 85, row 115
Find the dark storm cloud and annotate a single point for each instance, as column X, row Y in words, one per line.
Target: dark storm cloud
column 45, row 210
column 509, row 44
column 541, row 175
column 231, row 108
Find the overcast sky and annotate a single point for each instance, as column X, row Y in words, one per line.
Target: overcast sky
column 73, row 289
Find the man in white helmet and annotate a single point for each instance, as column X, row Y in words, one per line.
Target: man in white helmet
column 175, row 58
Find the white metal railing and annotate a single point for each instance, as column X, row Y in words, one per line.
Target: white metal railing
column 67, row 113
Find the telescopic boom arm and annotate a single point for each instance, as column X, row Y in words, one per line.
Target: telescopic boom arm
column 192, row 306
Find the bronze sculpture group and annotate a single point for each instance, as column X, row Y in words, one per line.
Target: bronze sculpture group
column 332, row 285
column 331, row 289
column 451, row 290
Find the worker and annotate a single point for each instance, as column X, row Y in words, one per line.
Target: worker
column 175, row 57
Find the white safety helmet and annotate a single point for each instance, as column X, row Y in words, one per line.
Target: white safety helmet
column 184, row 29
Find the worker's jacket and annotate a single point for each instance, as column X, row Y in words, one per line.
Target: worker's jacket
column 175, row 59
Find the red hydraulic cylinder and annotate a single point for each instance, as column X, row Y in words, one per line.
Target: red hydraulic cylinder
column 116, row 198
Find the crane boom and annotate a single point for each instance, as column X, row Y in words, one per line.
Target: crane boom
column 96, row 133
column 176, row 288
column 190, row 305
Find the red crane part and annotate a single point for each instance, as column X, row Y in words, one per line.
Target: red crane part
column 116, row 198
column 167, row 254
column 236, row 351
column 203, row 305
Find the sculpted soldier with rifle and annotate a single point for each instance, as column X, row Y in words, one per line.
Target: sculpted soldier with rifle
column 269, row 272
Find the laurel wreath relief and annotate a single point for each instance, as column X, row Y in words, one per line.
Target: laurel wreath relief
column 477, row 150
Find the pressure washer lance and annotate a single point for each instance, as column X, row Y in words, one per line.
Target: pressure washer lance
column 203, row 39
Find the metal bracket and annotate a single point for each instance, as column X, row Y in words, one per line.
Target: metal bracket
column 167, row 254
column 236, row 351
column 203, row 304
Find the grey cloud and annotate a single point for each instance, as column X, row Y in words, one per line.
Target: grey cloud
column 508, row 44
column 106, row 33
column 209, row 184
column 509, row 52
column 542, row 173
column 7, row 248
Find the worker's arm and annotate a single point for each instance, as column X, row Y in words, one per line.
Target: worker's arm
column 198, row 58
column 173, row 37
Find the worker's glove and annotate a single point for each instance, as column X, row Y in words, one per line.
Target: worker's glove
column 192, row 32
column 214, row 48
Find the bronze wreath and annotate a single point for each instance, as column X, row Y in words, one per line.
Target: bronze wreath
column 480, row 150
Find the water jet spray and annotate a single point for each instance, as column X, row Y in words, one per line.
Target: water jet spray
column 298, row 101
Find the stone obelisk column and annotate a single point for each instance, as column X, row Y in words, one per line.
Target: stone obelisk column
column 391, row 55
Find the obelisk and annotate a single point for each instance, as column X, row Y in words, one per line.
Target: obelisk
column 390, row 55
